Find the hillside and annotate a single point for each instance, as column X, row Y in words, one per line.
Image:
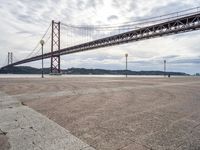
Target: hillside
column 83, row 71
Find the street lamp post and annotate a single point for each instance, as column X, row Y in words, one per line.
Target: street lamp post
column 126, row 55
column 165, row 67
column 42, row 44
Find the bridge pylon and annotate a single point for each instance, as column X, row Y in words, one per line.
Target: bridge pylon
column 55, row 46
column 10, row 58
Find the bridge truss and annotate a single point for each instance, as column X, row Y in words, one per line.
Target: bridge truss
column 186, row 23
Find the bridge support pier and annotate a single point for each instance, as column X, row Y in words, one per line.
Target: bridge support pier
column 55, row 46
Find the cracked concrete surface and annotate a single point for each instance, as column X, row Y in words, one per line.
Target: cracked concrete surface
column 23, row 128
column 117, row 113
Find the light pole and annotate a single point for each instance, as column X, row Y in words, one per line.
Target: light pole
column 165, row 67
column 126, row 55
column 42, row 44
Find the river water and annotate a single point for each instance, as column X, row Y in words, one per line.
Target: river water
column 50, row 76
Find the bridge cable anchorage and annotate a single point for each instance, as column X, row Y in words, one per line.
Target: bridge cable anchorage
column 185, row 22
column 38, row 44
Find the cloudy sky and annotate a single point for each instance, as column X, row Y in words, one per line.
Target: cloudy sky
column 23, row 22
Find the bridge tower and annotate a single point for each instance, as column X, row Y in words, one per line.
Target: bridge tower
column 10, row 58
column 55, row 46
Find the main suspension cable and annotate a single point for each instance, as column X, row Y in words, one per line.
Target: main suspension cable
column 35, row 48
column 136, row 22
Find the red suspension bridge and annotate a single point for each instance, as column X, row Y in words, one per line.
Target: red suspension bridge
column 97, row 36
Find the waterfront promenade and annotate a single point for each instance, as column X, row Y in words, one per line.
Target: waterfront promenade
column 105, row 113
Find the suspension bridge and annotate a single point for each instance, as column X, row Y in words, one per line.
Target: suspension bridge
column 84, row 37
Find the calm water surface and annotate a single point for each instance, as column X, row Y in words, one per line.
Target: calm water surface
column 49, row 76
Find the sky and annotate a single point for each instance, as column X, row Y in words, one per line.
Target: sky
column 23, row 22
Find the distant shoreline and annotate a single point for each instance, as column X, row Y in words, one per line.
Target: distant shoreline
column 83, row 71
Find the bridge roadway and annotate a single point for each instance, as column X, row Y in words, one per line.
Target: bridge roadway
column 184, row 23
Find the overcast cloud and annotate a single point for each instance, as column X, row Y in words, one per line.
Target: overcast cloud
column 23, row 22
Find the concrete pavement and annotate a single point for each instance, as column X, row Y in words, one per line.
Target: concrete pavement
column 22, row 128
